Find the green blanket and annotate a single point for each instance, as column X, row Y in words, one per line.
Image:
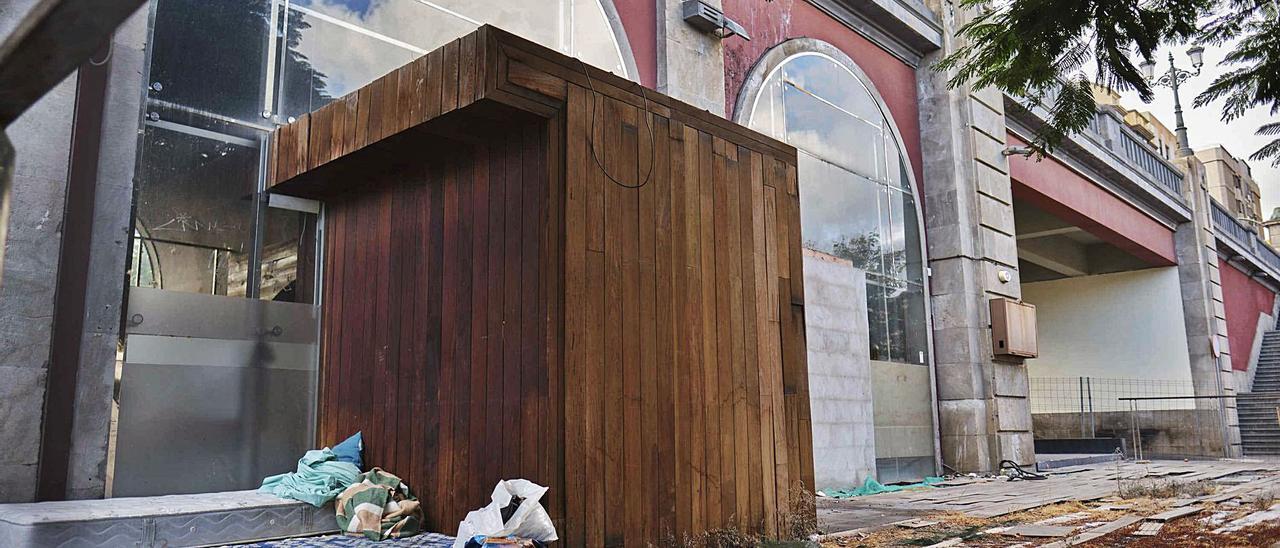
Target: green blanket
column 319, row 479
column 873, row 487
column 379, row 506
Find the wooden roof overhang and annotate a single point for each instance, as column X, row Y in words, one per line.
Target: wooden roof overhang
column 479, row 81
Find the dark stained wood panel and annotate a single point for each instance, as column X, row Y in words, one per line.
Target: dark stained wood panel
column 529, row 273
column 411, row 356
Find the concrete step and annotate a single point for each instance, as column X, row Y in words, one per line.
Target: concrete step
column 1259, row 446
column 1258, row 419
column 1262, row 445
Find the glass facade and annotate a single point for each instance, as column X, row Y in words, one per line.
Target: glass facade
column 857, row 207
column 223, row 74
column 856, row 200
column 221, row 352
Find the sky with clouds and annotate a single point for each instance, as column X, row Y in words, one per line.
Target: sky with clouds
column 1204, row 125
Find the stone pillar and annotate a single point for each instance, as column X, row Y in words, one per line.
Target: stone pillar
column 104, row 295
column 1205, row 315
column 690, row 62
column 42, row 142
column 983, row 411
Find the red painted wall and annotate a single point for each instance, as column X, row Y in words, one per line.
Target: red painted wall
column 640, row 20
column 1244, row 298
column 770, row 23
column 1057, row 189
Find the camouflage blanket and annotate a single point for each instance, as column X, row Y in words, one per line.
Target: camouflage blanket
column 420, row 540
column 379, row 506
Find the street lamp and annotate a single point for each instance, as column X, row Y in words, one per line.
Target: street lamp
column 1172, row 79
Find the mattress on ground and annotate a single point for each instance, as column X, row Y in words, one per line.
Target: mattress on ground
column 420, row 540
column 165, row 521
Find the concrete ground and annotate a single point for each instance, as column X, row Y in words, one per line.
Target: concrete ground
column 1230, row 502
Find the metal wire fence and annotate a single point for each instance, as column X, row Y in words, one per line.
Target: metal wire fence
column 1151, row 417
column 1096, row 395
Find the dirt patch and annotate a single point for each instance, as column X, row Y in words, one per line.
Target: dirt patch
column 1182, row 532
column 1190, row 532
column 1166, row 489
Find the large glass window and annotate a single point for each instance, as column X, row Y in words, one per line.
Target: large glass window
column 223, row 74
column 856, row 201
column 220, row 349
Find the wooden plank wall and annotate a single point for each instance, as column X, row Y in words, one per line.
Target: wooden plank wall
column 685, row 366
column 435, row 322
column 631, row 336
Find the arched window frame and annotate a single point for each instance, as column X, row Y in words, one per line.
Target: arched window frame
column 753, row 88
column 620, row 40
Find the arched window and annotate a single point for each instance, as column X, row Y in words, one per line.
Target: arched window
column 857, row 200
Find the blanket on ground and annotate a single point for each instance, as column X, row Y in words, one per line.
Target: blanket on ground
column 379, row 506
column 320, row 477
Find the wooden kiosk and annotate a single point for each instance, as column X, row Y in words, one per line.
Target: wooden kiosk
column 534, row 268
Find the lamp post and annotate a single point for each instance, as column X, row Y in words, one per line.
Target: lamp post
column 1172, row 79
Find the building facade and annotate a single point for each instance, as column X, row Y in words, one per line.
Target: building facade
column 917, row 213
column 1231, row 184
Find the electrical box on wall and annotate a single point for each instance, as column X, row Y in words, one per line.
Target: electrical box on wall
column 1013, row 328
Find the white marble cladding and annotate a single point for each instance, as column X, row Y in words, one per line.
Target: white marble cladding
column 839, row 371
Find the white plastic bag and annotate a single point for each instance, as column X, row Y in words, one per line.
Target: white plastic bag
column 530, row 519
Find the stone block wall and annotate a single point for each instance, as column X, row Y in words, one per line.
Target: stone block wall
column 984, row 415
column 839, row 371
column 42, row 143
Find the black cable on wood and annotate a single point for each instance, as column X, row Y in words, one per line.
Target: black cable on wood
column 648, row 118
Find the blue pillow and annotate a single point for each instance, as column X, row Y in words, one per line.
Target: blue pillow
column 349, row 450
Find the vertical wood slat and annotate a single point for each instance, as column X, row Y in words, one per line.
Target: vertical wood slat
column 660, row 405
column 576, row 350
column 710, row 372
column 436, row 356
column 654, row 334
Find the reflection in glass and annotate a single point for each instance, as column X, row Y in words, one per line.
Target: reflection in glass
column 839, row 224
column 341, row 60
column 194, row 208
column 856, row 201
column 348, row 43
column 823, row 130
column 142, row 266
column 814, row 74
column 213, row 54
column 288, row 264
column 877, row 318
